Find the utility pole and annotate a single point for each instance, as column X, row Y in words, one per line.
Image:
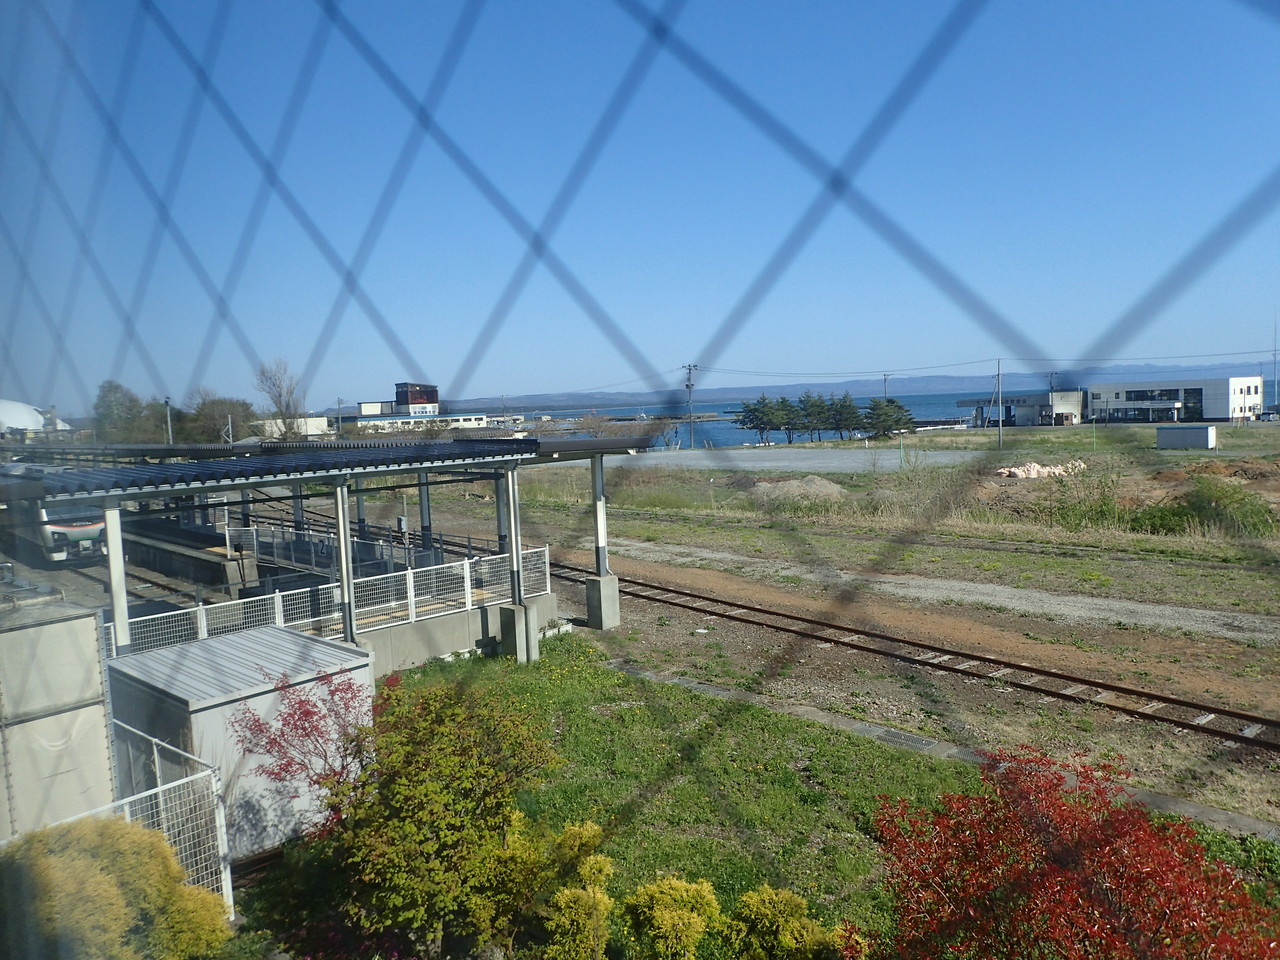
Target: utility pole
column 1275, row 382
column 168, row 421
column 1000, row 403
column 886, row 386
column 688, row 385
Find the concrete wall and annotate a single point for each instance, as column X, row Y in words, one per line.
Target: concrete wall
column 186, row 563
column 466, row 632
column 55, row 751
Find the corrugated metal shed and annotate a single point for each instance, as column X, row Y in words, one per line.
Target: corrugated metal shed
column 213, row 672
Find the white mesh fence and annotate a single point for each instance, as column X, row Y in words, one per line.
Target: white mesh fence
column 491, row 579
column 438, row 590
column 536, row 579
column 187, row 809
column 380, row 601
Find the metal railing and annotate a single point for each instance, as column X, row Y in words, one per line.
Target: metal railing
column 382, row 601
column 186, row 806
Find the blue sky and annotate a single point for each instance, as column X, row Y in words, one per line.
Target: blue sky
column 1056, row 162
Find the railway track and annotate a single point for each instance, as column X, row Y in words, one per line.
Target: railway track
column 1224, row 723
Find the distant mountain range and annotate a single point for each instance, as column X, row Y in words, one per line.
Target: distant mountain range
column 899, row 386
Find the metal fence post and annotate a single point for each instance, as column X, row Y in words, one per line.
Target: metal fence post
column 410, row 597
column 224, row 846
column 202, row 622
column 279, row 609
column 466, row 583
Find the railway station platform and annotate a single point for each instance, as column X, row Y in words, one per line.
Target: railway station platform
column 406, row 612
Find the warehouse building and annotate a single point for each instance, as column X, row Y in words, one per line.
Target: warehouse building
column 1171, row 401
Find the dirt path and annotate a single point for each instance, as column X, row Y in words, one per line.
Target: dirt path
column 1041, row 603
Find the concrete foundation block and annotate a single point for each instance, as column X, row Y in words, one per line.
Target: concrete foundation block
column 513, row 632
column 604, row 612
column 533, row 624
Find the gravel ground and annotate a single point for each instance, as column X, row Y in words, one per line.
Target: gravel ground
column 1068, row 608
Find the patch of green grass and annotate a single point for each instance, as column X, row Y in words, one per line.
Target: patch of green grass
column 710, row 788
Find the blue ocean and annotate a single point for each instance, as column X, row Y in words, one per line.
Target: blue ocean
column 725, row 433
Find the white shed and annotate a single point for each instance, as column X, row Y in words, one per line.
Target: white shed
column 187, row 694
column 1192, row 436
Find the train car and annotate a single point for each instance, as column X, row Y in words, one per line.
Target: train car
column 34, row 527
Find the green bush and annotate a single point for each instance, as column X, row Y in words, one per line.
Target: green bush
column 669, row 917
column 579, row 916
column 103, row 890
column 1230, row 508
column 769, row 924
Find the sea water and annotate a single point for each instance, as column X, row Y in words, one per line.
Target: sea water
column 726, row 433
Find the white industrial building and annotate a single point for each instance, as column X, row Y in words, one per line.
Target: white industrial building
column 415, row 408
column 1171, row 401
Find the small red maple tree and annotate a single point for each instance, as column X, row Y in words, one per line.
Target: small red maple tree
column 1051, row 863
column 318, row 737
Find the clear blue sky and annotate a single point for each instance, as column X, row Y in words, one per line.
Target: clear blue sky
column 1057, row 158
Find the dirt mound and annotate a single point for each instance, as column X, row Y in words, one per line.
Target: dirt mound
column 1247, row 468
column 806, row 488
column 1034, row 471
column 1170, row 476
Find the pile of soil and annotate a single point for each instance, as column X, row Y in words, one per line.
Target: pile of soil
column 810, row 488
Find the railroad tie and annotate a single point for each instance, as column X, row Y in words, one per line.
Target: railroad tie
column 1204, row 718
column 1252, row 730
column 1072, row 690
column 1151, row 707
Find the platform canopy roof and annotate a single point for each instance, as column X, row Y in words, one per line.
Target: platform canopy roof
column 308, row 462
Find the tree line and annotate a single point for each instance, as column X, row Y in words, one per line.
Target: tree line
column 121, row 416
column 812, row 414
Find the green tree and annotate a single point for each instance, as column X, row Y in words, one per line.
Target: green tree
column 757, row 415
column 815, row 415
column 846, row 418
column 207, row 422
column 116, row 412
column 103, row 890
column 787, row 416
column 885, row 417
column 434, row 799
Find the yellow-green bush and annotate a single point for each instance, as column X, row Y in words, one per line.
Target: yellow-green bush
column 670, row 916
column 769, row 924
column 579, row 916
column 103, row 890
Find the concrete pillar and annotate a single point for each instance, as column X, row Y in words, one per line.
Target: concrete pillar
column 500, row 502
column 516, row 561
column 513, row 632
column 362, row 525
column 342, row 516
column 601, row 523
column 604, row 611
column 115, row 567
column 424, row 507
column 299, row 521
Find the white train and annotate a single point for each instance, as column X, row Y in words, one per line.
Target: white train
column 33, row 527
